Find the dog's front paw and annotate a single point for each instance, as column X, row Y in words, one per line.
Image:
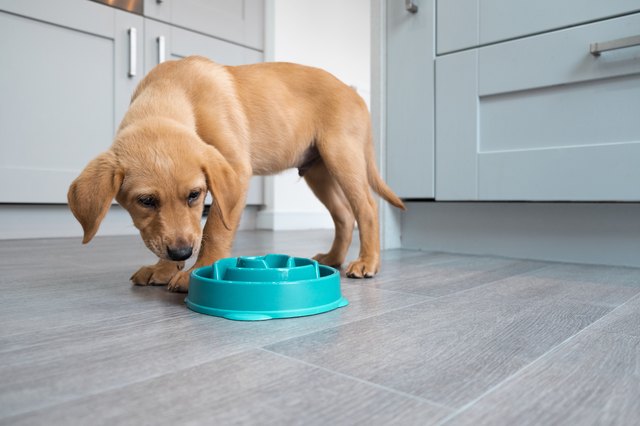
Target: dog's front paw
column 180, row 282
column 362, row 268
column 328, row 259
column 159, row 274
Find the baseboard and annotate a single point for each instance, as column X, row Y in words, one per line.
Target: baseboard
column 597, row 233
column 52, row 221
column 280, row 221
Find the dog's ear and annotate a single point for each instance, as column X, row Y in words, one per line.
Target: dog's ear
column 91, row 194
column 222, row 182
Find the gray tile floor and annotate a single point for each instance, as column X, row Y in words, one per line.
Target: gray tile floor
column 435, row 338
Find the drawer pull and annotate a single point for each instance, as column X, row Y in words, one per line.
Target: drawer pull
column 161, row 49
column 133, row 41
column 597, row 48
column 410, row 6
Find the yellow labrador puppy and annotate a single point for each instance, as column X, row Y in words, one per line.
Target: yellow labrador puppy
column 195, row 126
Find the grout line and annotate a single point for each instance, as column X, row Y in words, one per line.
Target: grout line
column 389, row 290
column 150, row 378
column 604, row 317
column 542, row 267
column 364, row 318
column 533, row 363
column 456, row 293
column 71, row 327
column 366, row 382
column 179, row 313
column 428, row 300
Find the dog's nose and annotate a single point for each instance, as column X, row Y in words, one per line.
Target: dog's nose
column 180, row 253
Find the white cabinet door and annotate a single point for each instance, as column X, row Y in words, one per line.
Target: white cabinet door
column 541, row 118
column 410, row 122
column 65, row 84
column 179, row 43
column 238, row 21
column 469, row 23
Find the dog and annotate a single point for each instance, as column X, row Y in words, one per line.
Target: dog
column 195, row 126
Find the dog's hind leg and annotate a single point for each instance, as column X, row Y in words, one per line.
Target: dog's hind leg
column 343, row 152
column 325, row 187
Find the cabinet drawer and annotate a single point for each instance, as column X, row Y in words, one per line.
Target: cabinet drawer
column 541, row 118
column 238, row 21
column 462, row 24
column 179, row 43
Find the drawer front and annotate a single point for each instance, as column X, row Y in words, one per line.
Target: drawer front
column 546, row 120
column 462, row 24
column 238, row 21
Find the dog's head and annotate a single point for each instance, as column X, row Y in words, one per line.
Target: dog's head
column 160, row 174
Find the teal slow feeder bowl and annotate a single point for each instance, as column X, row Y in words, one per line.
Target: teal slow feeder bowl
column 264, row 287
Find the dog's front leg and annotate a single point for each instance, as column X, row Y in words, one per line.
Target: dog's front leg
column 159, row 274
column 216, row 244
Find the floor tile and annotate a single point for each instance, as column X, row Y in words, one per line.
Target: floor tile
column 254, row 387
column 625, row 319
column 136, row 333
column 592, row 380
column 450, row 350
column 430, row 334
column 603, row 285
column 439, row 274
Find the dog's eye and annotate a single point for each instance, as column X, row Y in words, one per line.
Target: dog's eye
column 193, row 196
column 148, row 201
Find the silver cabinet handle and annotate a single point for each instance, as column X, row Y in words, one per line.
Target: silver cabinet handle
column 410, row 6
column 161, row 49
column 133, row 54
column 597, row 48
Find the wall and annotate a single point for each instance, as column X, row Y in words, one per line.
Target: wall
column 333, row 35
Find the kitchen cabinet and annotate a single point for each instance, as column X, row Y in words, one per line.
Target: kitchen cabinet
column 410, row 106
column 522, row 110
column 541, row 118
column 68, row 73
column 170, row 42
column 537, row 140
column 470, row 23
column 66, row 80
column 237, row 21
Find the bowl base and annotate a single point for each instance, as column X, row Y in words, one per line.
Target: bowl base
column 265, row 315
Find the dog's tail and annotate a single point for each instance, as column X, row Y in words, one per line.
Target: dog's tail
column 376, row 182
